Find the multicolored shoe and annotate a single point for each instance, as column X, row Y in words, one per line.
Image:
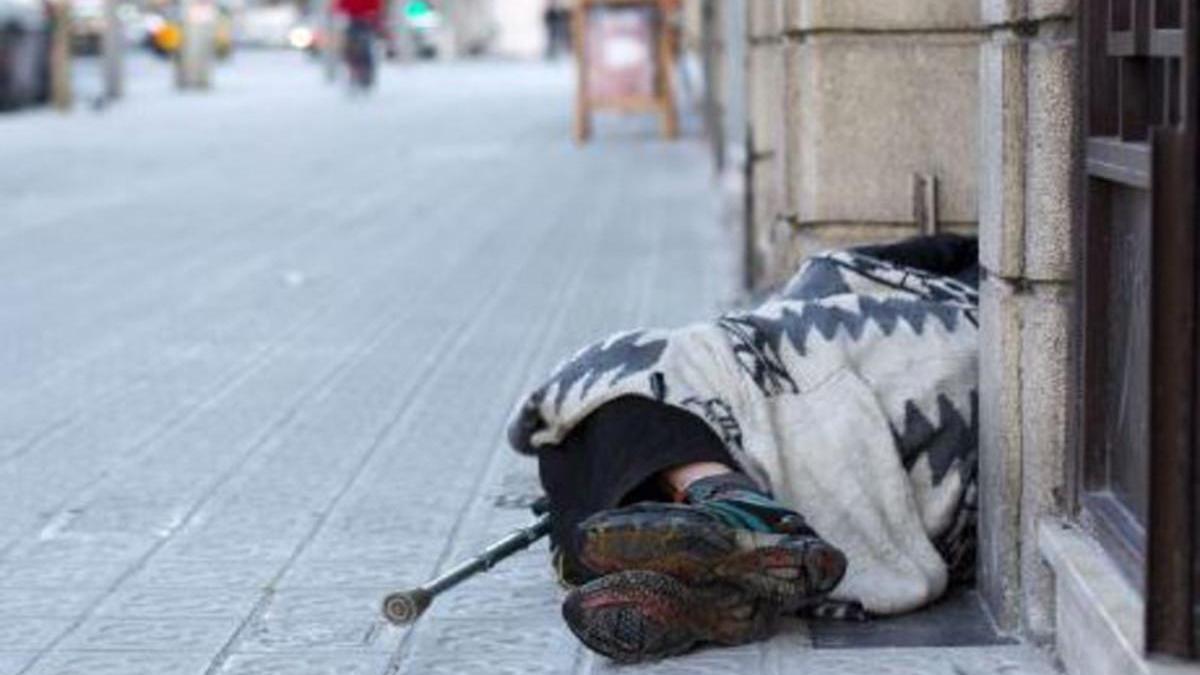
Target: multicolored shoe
column 727, row 533
column 641, row 616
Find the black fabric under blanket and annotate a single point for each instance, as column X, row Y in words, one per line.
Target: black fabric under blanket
column 613, row 457
column 950, row 255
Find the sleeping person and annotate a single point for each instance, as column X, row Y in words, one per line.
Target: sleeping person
column 816, row 454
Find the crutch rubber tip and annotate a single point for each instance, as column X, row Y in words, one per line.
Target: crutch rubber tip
column 405, row 607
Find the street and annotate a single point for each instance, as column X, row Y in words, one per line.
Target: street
column 260, row 346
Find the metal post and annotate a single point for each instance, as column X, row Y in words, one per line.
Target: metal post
column 194, row 64
column 332, row 41
column 113, row 50
column 60, row 55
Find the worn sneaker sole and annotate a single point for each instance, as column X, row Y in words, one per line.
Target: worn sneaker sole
column 640, row 616
column 699, row 549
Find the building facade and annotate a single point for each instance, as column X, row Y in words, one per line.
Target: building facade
column 1063, row 133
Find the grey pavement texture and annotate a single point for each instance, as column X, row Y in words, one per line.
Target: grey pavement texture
column 259, row 348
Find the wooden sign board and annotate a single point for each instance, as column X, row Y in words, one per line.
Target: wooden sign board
column 625, row 61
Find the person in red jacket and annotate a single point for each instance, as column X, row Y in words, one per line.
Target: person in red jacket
column 366, row 20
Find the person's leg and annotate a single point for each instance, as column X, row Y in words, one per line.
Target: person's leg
column 678, row 479
column 723, row 528
column 690, row 548
column 615, row 457
column 720, row 566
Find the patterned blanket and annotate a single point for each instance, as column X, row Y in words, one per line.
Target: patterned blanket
column 851, row 396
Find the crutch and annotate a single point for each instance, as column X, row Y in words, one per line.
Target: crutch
column 405, row 607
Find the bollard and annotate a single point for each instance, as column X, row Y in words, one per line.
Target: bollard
column 194, row 60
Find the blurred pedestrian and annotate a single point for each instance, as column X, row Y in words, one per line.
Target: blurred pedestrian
column 558, row 28
column 366, row 21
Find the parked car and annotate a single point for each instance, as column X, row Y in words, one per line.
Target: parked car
column 24, row 53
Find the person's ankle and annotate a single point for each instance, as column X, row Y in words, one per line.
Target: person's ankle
column 678, row 479
column 719, row 485
column 740, row 493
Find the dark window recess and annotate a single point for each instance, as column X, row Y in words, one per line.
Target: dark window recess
column 1136, row 431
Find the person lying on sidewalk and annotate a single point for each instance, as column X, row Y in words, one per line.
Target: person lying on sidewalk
column 817, row 454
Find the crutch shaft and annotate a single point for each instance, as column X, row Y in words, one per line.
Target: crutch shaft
column 406, row 606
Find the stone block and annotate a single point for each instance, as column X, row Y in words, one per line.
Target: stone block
column 44, row 603
column 270, row 634
column 765, row 97
column 767, row 196
column 157, row 603
column 308, row 663
column 152, row 635
column 765, row 210
column 1002, row 166
column 1045, row 371
column 126, row 662
column 783, row 255
column 211, row 574
column 907, row 15
column 504, row 647
column 764, row 18
column 1006, row 11
column 1099, row 613
column 1007, row 659
column 790, row 154
column 1047, row 9
column 1000, row 448
column 864, row 114
column 33, row 634
column 12, row 663
column 1051, row 161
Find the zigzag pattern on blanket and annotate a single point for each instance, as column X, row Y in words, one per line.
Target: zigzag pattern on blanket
column 951, row 437
column 623, row 354
column 757, row 337
column 843, row 272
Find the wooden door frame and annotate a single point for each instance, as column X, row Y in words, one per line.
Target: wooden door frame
column 1163, row 558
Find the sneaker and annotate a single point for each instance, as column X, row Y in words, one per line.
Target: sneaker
column 640, row 616
column 727, row 533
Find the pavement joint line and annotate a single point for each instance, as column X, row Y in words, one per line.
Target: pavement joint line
column 525, row 378
column 236, row 377
column 257, row 445
column 461, row 336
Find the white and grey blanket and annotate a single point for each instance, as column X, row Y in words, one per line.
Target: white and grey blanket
column 851, row 397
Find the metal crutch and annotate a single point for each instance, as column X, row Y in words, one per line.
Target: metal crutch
column 404, row 607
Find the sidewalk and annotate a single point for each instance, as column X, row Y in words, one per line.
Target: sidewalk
column 263, row 346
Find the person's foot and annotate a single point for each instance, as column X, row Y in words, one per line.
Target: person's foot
column 640, row 615
column 727, row 533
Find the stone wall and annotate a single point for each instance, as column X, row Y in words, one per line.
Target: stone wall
column 768, row 254
column 1026, row 203
column 848, row 100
